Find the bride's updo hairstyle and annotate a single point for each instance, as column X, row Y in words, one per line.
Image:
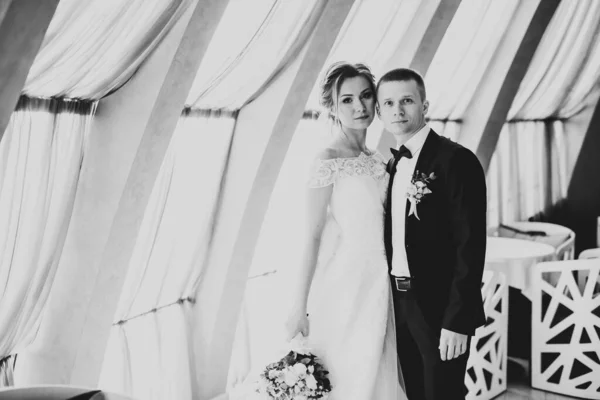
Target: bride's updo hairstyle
column 332, row 82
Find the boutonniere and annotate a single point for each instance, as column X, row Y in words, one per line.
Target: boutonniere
column 417, row 190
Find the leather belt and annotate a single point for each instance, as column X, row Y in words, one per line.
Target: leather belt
column 403, row 284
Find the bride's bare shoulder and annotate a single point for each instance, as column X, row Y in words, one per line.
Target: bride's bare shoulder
column 327, row 153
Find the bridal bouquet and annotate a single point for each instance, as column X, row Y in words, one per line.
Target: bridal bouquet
column 297, row 376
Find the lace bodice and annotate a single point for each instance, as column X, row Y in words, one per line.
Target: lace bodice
column 327, row 172
column 358, row 196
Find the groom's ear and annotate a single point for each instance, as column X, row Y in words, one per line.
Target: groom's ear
column 377, row 109
column 425, row 107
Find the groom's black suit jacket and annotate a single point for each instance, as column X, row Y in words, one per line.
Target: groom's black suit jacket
column 446, row 247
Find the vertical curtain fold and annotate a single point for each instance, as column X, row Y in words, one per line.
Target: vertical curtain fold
column 528, row 172
column 243, row 57
column 40, row 159
column 238, row 66
column 464, row 54
column 7, row 369
column 565, row 70
column 150, row 343
column 562, row 80
column 148, row 357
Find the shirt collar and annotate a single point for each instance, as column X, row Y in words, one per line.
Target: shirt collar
column 415, row 143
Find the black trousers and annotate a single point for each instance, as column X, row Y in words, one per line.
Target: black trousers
column 426, row 376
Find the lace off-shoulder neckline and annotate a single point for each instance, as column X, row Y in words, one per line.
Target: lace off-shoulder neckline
column 328, row 171
column 362, row 154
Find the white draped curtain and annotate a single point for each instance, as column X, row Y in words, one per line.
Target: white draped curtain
column 247, row 53
column 530, row 168
column 7, row 370
column 465, row 53
column 90, row 49
column 564, row 74
column 149, row 355
column 528, row 171
column 244, row 56
column 40, row 159
column 93, row 47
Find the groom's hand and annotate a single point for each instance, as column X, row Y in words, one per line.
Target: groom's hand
column 452, row 344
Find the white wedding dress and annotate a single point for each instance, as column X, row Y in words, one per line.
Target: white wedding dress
column 350, row 307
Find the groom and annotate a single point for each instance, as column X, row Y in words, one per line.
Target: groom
column 435, row 237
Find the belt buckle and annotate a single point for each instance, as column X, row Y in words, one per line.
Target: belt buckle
column 402, row 284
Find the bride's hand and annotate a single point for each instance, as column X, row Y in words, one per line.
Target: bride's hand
column 296, row 323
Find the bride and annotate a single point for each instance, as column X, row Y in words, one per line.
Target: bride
column 343, row 301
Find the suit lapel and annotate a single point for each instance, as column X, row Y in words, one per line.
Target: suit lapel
column 424, row 164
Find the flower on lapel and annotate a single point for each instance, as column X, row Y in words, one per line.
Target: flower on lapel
column 417, row 189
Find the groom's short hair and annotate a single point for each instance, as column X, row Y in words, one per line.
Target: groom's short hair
column 404, row 74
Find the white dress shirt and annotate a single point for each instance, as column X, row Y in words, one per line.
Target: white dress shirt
column 404, row 172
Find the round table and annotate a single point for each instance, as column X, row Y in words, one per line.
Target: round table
column 557, row 236
column 516, row 259
column 550, row 229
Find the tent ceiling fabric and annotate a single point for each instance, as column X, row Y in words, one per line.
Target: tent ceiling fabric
column 93, row 47
column 237, row 66
column 79, row 58
column 466, row 51
column 564, row 75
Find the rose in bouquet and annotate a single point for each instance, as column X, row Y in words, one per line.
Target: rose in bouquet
column 297, row 376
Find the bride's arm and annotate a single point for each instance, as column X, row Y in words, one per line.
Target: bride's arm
column 317, row 200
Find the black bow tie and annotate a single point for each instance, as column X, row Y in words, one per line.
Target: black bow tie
column 403, row 152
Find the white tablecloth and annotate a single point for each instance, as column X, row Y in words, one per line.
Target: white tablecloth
column 516, row 258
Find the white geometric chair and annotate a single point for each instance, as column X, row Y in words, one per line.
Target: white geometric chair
column 566, row 251
column 589, row 253
column 486, row 367
column 565, row 337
